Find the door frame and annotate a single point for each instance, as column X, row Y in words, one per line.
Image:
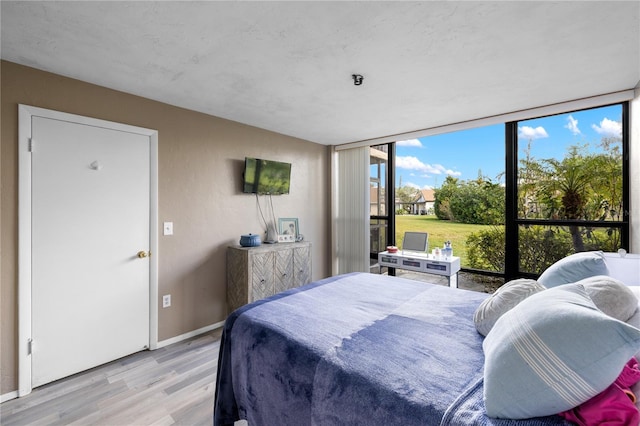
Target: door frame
column 25, row 115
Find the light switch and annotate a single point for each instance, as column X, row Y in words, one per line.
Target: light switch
column 168, row 228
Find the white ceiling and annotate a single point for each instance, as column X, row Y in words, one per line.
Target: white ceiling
column 287, row 66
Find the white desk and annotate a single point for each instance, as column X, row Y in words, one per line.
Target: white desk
column 420, row 262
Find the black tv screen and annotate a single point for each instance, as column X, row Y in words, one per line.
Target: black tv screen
column 266, row 176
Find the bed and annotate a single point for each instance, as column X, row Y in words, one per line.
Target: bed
column 357, row 349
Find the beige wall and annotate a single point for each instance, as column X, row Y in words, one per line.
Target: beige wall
column 200, row 165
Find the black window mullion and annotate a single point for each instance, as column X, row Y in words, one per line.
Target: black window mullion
column 512, row 256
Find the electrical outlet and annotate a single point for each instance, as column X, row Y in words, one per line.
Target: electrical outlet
column 166, row 300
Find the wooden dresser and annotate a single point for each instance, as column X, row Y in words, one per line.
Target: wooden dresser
column 254, row 273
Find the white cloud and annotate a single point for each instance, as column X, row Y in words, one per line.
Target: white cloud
column 413, row 163
column 526, row 132
column 412, row 185
column 410, row 142
column 572, row 125
column 409, row 163
column 608, row 128
column 416, row 186
column 447, row 171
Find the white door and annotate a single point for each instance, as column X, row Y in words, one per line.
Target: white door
column 90, row 189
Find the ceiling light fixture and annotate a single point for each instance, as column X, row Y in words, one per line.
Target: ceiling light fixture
column 357, row 79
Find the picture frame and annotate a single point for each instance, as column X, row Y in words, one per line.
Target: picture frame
column 288, row 226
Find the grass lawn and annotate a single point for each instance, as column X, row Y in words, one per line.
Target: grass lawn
column 439, row 231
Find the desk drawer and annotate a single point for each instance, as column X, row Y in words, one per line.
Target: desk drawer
column 438, row 268
column 410, row 264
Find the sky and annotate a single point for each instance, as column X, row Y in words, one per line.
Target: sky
column 426, row 162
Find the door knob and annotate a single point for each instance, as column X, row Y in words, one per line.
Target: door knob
column 142, row 254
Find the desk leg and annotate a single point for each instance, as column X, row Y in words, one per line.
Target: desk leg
column 453, row 280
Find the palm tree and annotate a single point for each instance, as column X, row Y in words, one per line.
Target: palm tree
column 571, row 181
column 581, row 186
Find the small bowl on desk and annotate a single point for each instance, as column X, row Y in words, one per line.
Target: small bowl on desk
column 392, row 249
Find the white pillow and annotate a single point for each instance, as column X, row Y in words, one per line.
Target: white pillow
column 574, row 268
column 552, row 352
column 611, row 296
column 502, row 300
column 635, row 318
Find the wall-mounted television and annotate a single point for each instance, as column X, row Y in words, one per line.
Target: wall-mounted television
column 266, row 176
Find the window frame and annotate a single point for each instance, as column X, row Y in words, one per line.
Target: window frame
column 513, row 222
column 389, row 199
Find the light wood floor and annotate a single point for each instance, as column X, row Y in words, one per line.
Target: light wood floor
column 171, row 385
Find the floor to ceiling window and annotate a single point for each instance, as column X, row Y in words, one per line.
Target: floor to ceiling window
column 451, row 186
column 569, row 186
column 512, row 198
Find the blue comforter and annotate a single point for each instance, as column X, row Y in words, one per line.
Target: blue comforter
column 357, row 349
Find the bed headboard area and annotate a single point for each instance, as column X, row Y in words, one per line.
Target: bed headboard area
column 625, row 268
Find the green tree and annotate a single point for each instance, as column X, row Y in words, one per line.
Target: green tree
column 443, row 196
column 582, row 186
column 530, row 174
column 478, row 201
column 407, row 194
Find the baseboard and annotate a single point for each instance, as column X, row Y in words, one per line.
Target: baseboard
column 193, row 333
column 7, row 396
